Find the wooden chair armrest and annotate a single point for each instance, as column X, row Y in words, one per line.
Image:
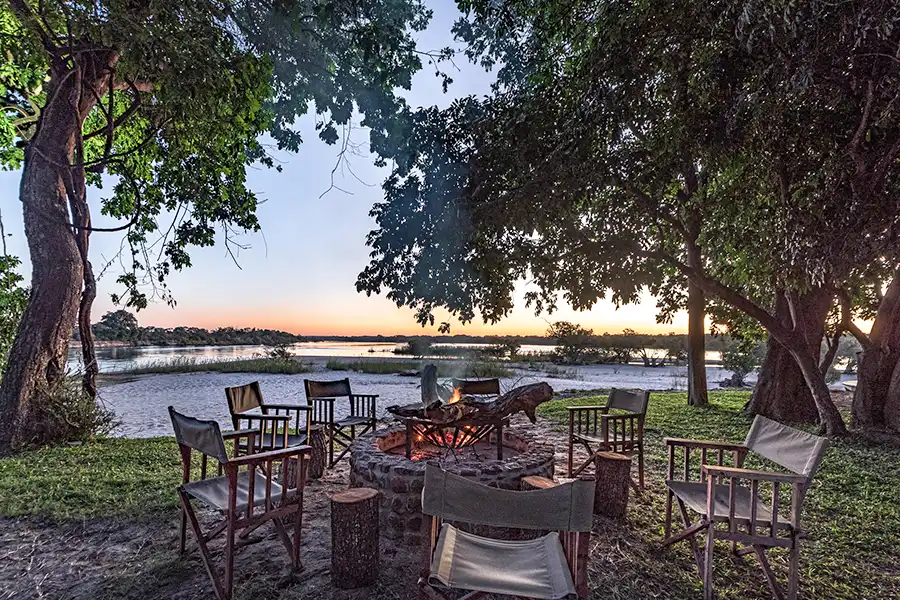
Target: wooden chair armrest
column 239, row 433
column 303, row 407
column 364, row 395
column 282, row 418
column 705, row 444
column 280, row 453
column 715, row 470
column 326, row 400
column 622, row 417
column 602, row 409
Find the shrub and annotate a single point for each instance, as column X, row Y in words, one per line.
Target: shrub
column 65, row 413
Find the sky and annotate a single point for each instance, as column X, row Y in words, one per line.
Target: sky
column 299, row 272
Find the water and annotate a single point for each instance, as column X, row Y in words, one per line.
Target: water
column 119, row 358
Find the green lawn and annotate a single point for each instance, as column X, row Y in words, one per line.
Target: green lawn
column 852, row 511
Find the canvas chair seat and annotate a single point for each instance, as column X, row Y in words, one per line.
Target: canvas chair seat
column 533, row 568
column 352, row 421
column 693, row 494
column 214, row 492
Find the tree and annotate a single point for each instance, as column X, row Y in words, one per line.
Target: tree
column 741, row 357
column 170, row 98
column 634, row 127
column 13, row 299
column 117, row 325
column 574, row 343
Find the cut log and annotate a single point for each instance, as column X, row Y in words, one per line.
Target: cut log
column 317, row 458
column 524, row 398
column 354, row 538
column 613, row 478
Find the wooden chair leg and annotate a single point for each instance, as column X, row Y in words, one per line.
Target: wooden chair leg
column 201, row 543
column 707, row 570
column 641, row 466
column 794, row 571
column 774, row 586
column 667, row 531
column 571, row 461
column 330, row 446
column 229, row 558
column 183, row 532
column 695, row 547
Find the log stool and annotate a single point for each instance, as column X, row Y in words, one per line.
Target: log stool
column 317, row 459
column 613, row 476
column 536, row 482
column 354, row 538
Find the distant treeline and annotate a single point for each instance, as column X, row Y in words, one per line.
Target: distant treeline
column 122, row 326
column 645, row 340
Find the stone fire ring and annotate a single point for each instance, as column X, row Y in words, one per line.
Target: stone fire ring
column 401, row 480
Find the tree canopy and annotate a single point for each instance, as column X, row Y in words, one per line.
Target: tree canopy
column 762, row 132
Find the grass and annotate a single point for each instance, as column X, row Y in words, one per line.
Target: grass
column 446, row 368
column 244, row 365
column 852, row 512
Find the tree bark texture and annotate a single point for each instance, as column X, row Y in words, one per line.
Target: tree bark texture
column 51, row 186
column 613, row 478
column 697, row 388
column 781, row 392
column 354, row 538
column 696, row 306
column 876, row 402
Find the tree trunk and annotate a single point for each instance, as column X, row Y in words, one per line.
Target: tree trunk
column 830, row 419
column 50, row 182
column 781, row 392
column 696, row 305
column 876, row 402
column 697, row 390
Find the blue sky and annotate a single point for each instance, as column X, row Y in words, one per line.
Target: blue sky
column 299, row 273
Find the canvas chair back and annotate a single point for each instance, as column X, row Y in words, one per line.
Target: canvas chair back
column 635, row 402
column 327, row 389
column 566, row 507
column 202, row 436
column 477, row 387
column 244, row 398
column 791, row 448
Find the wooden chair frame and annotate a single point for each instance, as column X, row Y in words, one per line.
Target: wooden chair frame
column 236, row 522
column 759, row 534
column 274, row 420
column 575, row 546
column 340, row 432
column 621, row 433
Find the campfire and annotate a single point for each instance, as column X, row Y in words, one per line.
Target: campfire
column 447, row 422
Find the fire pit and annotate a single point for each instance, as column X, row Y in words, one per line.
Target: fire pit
column 378, row 460
column 465, row 436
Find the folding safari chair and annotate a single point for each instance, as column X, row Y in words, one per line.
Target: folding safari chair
column 747, row 499
column 599, row 431
column 551, row 566
column 477, row 387
column 247, row 495
column 321, row 395
column 274, row 427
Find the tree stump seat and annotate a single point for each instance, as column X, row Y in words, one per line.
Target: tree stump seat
column 354, row 538
column 613, row 478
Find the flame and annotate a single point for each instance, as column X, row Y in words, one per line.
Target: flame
column 456, row 397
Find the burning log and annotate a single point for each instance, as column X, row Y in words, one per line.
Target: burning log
column 524, row 398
